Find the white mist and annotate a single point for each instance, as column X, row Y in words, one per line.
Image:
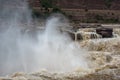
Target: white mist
column 21, row 51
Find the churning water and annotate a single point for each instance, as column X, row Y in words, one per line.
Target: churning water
column 24, row 50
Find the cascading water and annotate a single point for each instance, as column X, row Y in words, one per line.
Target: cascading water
column 58, row 48
column 25, row 49
column 21, row 52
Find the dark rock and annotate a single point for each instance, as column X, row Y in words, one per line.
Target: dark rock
column 105, row 32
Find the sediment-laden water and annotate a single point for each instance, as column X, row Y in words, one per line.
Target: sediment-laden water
column 104, row 63
column 50, row 54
